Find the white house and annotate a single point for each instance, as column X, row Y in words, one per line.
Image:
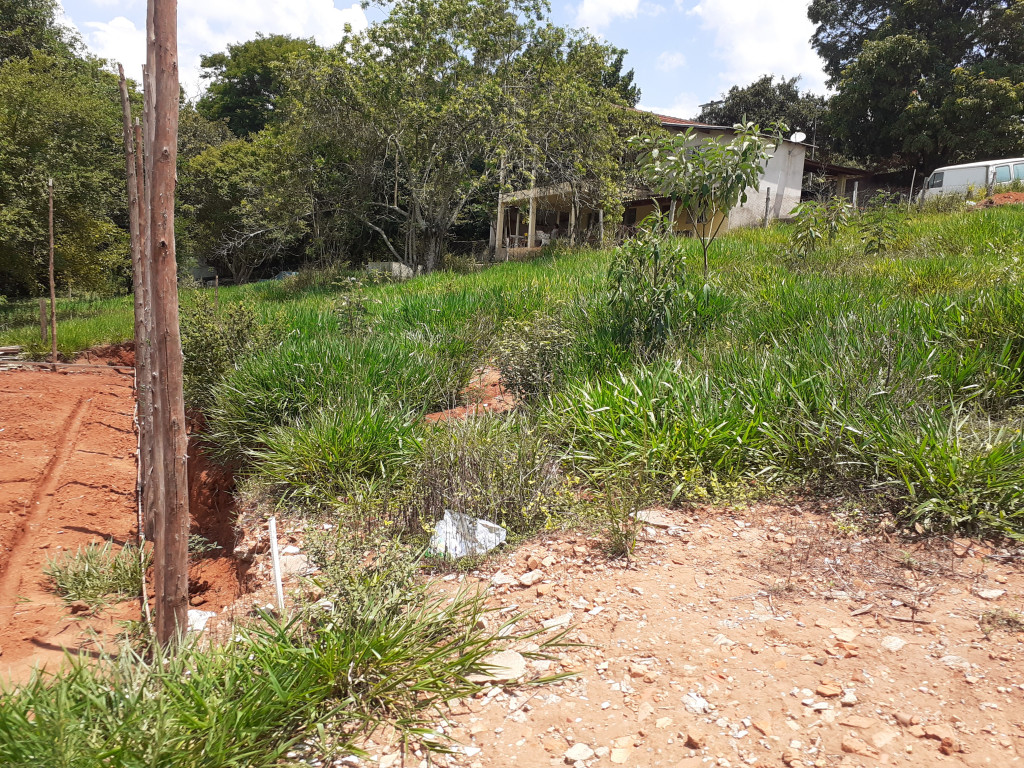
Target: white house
column 530, row 218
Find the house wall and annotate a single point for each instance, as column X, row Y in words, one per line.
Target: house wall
column 783, row 177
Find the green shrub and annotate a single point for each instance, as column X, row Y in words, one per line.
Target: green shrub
column 212, row 344
column 817, row 222
column 646, row 277
column 530, row 354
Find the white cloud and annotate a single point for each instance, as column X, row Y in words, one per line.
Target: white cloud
column 208, row 26
column 754, row 38
column 686, row 106
column 671, row 60
column 118, row 40
column 600, row 13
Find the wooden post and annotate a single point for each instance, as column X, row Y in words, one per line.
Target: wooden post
column 53, row 290
column 913, row 179
column 132, row 137
column 600, row 226
column 216, row 294
column 499, row 229
column 42, row 319
column 144, row 346
column 855, row 185
column 531, row 227
column 170, row 439
column 767, row 203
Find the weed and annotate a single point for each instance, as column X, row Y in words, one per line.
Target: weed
column 1000, row 619
column 95, row 572
column 530, row 354
column 620, row 522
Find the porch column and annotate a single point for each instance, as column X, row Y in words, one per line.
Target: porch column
column 499, row 230
column 532, row 228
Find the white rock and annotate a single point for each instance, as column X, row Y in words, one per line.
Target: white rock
column 990, row 594
column 559, row 621
column 696, row 704
column 291, row 549
column 578, row 751
column 530, row 578
column 956, row 662
column 501, row 667
column 502, row 579
column 893, row 643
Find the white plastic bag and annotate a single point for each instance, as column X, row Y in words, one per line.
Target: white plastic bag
column 459, row 535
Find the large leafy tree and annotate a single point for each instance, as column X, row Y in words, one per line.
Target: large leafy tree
column 407, row 126
column 916, row 79
column 247, row 80
column 60, row 119
column 766, row 101
column 31, row 25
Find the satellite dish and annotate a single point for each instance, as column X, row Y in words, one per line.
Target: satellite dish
column 798, row 137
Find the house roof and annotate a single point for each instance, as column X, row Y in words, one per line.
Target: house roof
column 668, row 121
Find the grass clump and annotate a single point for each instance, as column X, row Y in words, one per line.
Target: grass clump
column 378, row 649
column 95, row 573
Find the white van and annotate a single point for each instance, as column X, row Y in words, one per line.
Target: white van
column 956, row 179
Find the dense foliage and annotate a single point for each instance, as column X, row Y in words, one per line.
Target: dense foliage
column 924, row 82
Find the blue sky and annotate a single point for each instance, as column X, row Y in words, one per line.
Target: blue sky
column 685, row 52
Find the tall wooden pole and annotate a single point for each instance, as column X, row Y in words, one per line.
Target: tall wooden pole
column 53, row 290
column 170, row 438
column 143, row 347
column 133, row 162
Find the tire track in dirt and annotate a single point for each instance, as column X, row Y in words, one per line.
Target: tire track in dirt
column 42, row 500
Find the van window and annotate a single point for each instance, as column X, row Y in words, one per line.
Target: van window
column 1002, row 174
column 1018, row 171
column 935, row 181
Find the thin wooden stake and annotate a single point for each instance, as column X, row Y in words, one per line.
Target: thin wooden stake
column 144, row 346
column 170, row 438
column 133, row 163
column 275, row 559
column 53, row 290
column 216, row 294
column 42, row 319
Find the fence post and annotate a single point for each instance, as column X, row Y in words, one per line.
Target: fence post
column 53, row 290
column 170, row 438
column 767, row 203
column 855, row 185
column 42, row 319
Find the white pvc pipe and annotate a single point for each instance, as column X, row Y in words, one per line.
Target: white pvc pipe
column 276, row 559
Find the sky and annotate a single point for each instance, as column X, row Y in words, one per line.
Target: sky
column 685, row 52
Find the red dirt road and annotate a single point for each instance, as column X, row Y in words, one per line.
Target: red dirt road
column 67, row 478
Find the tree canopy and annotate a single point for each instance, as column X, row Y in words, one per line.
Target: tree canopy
column 247, row 81
column 924, row 81
column 766, row 101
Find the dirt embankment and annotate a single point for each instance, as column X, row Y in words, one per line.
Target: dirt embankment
column 68, row 479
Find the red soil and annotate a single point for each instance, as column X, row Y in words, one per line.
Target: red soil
column 483, row 395
column 67, row 479
column 1002, row 198
column 109, row 354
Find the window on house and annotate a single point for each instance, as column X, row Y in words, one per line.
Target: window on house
column 1002, row 174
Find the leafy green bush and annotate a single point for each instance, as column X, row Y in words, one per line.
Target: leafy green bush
column 530, row 354
column 882, row 225
column 646, row 277
column 212, row 344
column 817, row 222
